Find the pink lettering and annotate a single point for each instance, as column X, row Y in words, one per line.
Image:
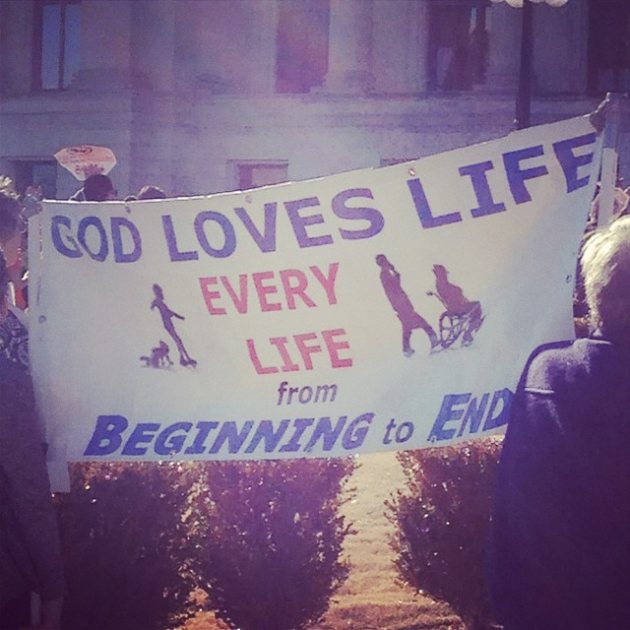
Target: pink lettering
column 264, row 290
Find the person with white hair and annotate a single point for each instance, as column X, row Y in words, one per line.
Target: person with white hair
column 559, row 545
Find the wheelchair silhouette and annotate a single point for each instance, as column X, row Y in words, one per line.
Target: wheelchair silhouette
column 454, row 325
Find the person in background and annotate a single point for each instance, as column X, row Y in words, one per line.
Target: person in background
column 151, row 192
column 13, row 328
column 30, row 549
column 96, row 187
column 559, row 547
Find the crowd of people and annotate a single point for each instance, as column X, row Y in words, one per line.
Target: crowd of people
column 559, row 548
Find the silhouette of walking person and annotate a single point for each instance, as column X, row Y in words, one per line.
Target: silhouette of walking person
column 167, row 319
column 410, row 320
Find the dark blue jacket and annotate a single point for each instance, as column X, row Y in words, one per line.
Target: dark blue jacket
column 559, row 553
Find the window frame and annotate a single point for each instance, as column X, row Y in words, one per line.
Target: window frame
column 38, row 35
column 21, row 165
column 235, row 168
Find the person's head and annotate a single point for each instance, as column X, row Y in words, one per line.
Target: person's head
column 10, row 210
column 99, row 188
column 151, row 192
column 606, row 269
column 440, row 271
column 157, row 291
column 382, row 262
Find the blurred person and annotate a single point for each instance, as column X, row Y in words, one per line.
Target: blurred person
column 30, row 550
column 151, row 192
column 621, row 200
column 96, row 187
column 13, row 245
column 559, row 547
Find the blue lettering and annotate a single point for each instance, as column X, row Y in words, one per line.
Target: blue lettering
column 424, row 210
column 171, row 241
column 300, row 223
column 117, row 241
column 264, row 431
column 503, row 396
column 96, row 223
column 293, row 445
column 477, row 174
column 371, row 215
column 204, row 427
column 143, row 433
column 106, row 438
column 167, row 443
column 517, row 176
column 229, row 433
column 229, row 244
column 266, row 241
column 474, row 414
column 357, row 430
column 324, row 429
column 448, row 413
column 71, row 252
column 570, row 163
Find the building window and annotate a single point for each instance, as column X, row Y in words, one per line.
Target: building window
column 609, row 46
column 458, row 43
column 57, row 43
column 41, row 173
column 302, row 45
column 257, row 173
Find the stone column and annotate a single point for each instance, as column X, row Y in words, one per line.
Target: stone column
column 153, row 43
column 350, row 47
column 504, row 41
column 560, row 43
column 399, row 36
column 105, row 45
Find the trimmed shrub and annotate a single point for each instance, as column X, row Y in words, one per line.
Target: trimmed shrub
column 122, row 536
column 269, row 538
column 441, row 524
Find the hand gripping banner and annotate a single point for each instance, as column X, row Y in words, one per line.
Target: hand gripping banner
column 381, row 309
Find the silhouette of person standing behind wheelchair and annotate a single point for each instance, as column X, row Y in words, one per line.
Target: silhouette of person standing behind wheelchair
column 410, row 320
column 461, row 315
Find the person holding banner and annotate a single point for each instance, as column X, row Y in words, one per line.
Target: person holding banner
column 559, row 552
column 30, row 550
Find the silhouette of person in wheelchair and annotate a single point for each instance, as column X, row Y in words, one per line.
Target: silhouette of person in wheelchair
column 461, row 317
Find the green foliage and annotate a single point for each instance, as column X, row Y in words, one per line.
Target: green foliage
column 123, row 539
column 269, row 537
column 441, row 523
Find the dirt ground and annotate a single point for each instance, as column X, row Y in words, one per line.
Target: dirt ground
column 372, row 597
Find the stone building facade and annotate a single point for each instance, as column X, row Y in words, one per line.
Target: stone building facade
column 200, row 96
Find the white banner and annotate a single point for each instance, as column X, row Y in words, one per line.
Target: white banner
column 381, row 309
